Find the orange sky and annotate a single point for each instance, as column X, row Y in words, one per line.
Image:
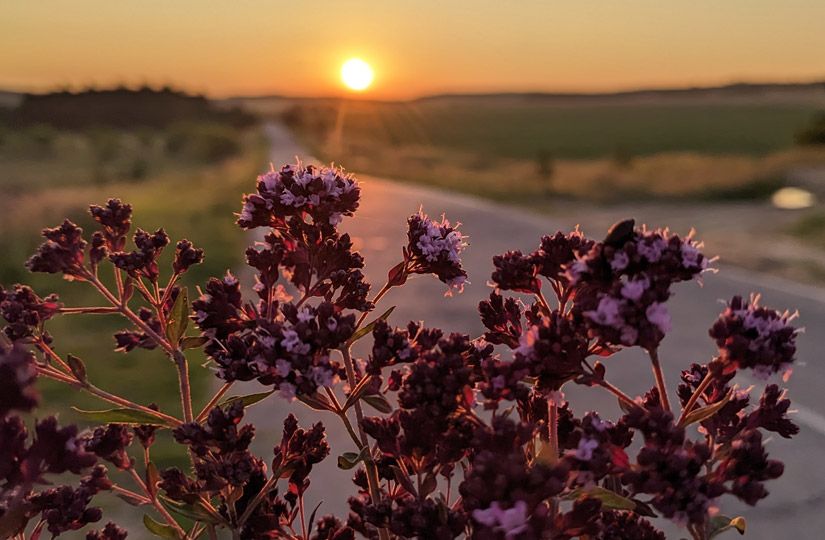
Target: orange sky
column 416, row 47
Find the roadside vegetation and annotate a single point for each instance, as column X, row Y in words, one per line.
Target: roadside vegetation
column 186, row 175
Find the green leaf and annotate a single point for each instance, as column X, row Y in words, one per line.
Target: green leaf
column 193, row 342
column 428, row 485
column 312, row 518
column 159, row 529
column 178, row 317
column 610, row 499
column 703, row 413
column 77, row 366
column 356, row 392
column 122, row 416
column 366, row 329
column 247, row 400
column 195, row 512
column 719, row 524
column 378, row 402
column 348, row 460
column 316, row 401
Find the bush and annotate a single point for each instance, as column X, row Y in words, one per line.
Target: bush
column 203, row 142
column 814, row 133
column 530, row 467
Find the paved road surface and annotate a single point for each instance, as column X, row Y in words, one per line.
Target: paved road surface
column 796, row 507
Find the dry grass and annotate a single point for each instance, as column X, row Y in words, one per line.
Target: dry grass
column 661, row 176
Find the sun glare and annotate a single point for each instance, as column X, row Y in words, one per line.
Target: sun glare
column 356, row 74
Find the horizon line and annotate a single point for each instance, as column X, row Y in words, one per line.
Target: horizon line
column 624, row 92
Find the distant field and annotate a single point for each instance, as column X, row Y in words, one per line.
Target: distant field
column 578, row 132
column 524, row 148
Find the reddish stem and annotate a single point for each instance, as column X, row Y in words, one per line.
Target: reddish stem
column 660, row 379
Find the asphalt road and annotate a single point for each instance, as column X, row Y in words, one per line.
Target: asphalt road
column 796, row 506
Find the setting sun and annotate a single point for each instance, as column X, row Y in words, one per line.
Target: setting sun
column 356, row 74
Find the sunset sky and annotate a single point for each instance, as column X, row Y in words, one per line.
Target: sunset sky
column 415, row 47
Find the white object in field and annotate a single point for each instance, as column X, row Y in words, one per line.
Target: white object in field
column 792, row 198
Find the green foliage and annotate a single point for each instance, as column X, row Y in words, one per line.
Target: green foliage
column 202, row 142
column 813, row 133
column 122, row 108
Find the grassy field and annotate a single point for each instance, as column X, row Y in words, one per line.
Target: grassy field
column 523, row 149
column 522, row 130
column 46, row 175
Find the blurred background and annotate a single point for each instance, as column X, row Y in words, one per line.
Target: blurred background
column 703, row 114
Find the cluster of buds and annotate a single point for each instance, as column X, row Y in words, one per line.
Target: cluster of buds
column 28, row 463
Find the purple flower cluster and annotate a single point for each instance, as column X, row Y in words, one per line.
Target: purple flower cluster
column 25, row 312
column 554, row 350
column 434, row 247
column 110, row 443
column 671, row 468
column 517, row 272
column 52, row 450
column 63, row 252
column 222, row 450
column 17, row 378
column 143, row 261
column 115, row 219
column 291, row 353
column 623, row 283
column 325, row 194
column 750, row 336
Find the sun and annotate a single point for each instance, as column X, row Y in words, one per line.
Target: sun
column 356, row 74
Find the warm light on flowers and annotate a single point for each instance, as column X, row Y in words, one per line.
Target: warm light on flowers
column 428, row 461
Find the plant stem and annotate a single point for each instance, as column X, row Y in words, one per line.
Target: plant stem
column 553, row 428
column 543, row 301
column 267, row 487
column 131, row 315
column 157, row 504
column 131, row 494
column 660, row 378
column 624, row 398
column 91, row 310
column 185, row 389
column 375, row 301
column 171, row 349
column 696, row 395
column 208, row 407
column 106, row 396
column 303, row 518
column 369, row 464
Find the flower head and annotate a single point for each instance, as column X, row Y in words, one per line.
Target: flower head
column 25, row 311
column 61, row 253
column 750, row 336
column 17, row 378
column 435, row 248
column 325, row 194
column 116, row 219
